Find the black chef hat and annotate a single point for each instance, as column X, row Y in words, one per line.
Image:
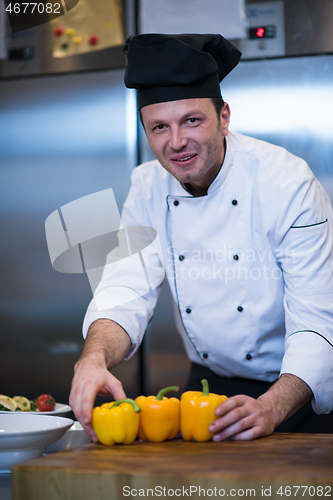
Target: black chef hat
column 171, row 67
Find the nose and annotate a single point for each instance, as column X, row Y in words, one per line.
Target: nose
column 177, row 140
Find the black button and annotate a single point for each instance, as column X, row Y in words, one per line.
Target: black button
column 176, row 203
column 248, row 356
column 234, row 202
column 188, row 310
column 240, row 309
column 181, row 257
column 236, row 257
column 205, row 355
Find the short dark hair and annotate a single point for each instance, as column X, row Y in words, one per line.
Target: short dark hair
column 218, row 105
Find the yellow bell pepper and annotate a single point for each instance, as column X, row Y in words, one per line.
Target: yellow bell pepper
column 116, row 422
column 159, row 417
column 197, row 413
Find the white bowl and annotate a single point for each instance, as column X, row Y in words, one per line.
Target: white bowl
column 74, row 437
column 23, row 437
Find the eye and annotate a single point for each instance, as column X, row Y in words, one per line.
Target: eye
column 192, row 120
column 159, row 127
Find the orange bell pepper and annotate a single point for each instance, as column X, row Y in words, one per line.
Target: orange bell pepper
column 159, row 416
column 197, row 413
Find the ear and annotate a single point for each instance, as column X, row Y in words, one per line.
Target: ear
column 225, row 119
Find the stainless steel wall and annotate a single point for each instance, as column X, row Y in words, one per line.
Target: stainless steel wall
column 61, row 138
column 287, row 102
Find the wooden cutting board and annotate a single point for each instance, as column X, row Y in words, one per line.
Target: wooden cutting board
column 273, row 467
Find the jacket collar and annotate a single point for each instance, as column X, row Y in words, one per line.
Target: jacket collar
column 177, row 189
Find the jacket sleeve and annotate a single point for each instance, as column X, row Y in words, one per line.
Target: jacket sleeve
column 133, row 273
column 305, row 255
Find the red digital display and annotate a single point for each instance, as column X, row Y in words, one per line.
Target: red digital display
column 260, row 32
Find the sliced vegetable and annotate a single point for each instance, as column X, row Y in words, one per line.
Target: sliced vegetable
column 8, row 403
column 22, row 403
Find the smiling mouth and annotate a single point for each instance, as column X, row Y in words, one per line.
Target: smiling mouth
column 180, row 160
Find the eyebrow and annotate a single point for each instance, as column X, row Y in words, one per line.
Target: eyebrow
column 153, row 122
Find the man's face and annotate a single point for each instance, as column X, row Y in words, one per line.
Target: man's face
column 187, row 138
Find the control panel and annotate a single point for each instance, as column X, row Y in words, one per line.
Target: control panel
column 265, row 33
column 22, row 53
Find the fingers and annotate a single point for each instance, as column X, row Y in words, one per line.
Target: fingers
column 89, row 381
column 233, row 429
column 115, row 387
column 82, row 400
column 253, row 433
column 90, row 431
column 229, row 412
column 84, row 407
column 231, row 403
column 241, row 418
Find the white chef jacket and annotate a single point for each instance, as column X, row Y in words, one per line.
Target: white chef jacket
column 250, row 267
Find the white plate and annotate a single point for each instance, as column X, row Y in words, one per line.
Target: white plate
column 59, row 410
column 25, row 436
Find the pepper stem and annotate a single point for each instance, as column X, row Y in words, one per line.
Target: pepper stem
column 128, row 400
column 162, row 392
column 205, row 387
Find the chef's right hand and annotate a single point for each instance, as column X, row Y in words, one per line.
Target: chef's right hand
column 91, row 377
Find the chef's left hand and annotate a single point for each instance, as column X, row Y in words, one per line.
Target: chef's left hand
column 241, row 417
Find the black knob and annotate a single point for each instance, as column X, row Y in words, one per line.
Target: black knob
column 176, row 203
column 234, row 202
column 240, row 309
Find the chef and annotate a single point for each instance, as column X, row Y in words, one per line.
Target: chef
column 244, row 238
